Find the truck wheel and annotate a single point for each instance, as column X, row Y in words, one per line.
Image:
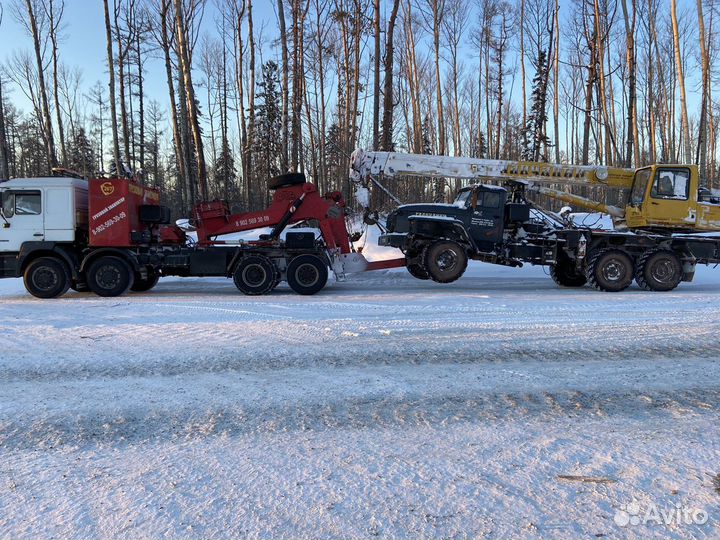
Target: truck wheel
column 445, row 261
column 565, row 274
column 307, row 274
column 610, row 270
column 110, row 276
column 659, row 271
column 255, row 275
column 47, row 277
column 144, row 285
column 417, row 271
column 288, row 179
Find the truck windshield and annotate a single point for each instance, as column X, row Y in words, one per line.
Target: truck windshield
column 463, row 199
column 642, row 177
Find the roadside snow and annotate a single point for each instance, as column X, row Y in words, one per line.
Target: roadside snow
column 383, row 406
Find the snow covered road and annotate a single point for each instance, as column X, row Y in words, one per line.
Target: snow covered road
column 384, row 406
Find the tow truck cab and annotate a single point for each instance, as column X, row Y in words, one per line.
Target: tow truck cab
column 40, row 215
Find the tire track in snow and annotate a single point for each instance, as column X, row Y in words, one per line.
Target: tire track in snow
column 140, row 423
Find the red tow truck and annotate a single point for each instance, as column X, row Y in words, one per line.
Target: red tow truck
column 111, row 235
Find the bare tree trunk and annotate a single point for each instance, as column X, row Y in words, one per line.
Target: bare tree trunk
column 186, row 69
column 141, row 92
column 285, row 86
column 47, row 127
column 122, row 51
column 522, row 72
column 376, row 78
column 55, row 22
column 165, row 45
column 388, row 98
column 250, row 142
column 632, row 102
column 701, row 156
column 438, row 11
column 413, row 79
column 681, row 82
column 111, row 69
column 239, row 69
column 4, row 153
column 556, row 82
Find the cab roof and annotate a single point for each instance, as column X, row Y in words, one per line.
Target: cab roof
column 44, row 182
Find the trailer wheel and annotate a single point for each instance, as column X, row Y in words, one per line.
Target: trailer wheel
column 564, row 274
column 47, row 277
column 659, row 271
column 110, row 276
column 144, row 285
column 307, row 274
column 445, row 261
column 255, row 275
column 610, row 270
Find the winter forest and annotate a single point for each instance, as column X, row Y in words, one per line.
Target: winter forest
column 251, row 90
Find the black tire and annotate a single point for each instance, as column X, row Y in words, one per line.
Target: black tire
column 307, row 274
column 110, row 276
column 255, row 275
column 418, row 271
column 610, row 270
column 445, row 261
column 565, row 274
column 659, row 271
column 47, row 277
column 288, row 179
column 413, row 263
column 144, row 285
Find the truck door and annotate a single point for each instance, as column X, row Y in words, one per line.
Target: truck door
column 669, row 198
column 486, row 222
column 23, row 211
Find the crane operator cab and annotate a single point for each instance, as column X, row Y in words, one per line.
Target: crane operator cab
column 668, row 198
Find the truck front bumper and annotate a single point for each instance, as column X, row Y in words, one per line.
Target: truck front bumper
column 396, row 240
column 8, row 265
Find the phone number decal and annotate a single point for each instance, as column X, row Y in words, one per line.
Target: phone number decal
column 109, row 223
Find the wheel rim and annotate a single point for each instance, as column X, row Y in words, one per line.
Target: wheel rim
column 108, row 277
column 307, row 275
column 45, row 278
column 254, row 275
column 446, row 260
column 614, row 270
column 663, row 271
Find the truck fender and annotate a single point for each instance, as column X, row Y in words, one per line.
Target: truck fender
column 30, row 251
column 124, row 254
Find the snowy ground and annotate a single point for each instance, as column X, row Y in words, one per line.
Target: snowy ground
column 383, row 406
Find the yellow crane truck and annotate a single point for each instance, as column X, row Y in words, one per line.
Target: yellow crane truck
column 663, row 230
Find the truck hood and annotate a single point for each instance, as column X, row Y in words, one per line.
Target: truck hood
column 398, row 219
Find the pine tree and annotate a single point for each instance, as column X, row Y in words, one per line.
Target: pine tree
column 535, row 128
column 268, row 143
column 225, row 175
column 81, row 156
